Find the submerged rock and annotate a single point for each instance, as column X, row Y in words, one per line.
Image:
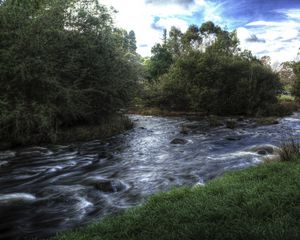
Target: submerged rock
column 106, row 185
column 110, row 186
column 233, row 138
column 179, row 141
column 263, row 149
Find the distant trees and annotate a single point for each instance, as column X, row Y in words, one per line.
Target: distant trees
column 62, row 63
column 206, row 71
column 287, row 75
column 296, row 86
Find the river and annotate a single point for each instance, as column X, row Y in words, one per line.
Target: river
column 49, row 189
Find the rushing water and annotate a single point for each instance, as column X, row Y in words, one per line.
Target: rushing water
column 44, row 190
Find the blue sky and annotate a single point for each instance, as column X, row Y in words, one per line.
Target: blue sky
column 269, row 27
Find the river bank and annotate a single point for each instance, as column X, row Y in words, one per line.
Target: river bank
column 257, row 203
column 107, row 128
column 286, row 106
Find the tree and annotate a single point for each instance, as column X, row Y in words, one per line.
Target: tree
column 160, row 61
column 191, row 39
column 220, row 80
column 174, row 42
column 296, row 85
column 132, row 41
column 287, row 75
column 54, row 52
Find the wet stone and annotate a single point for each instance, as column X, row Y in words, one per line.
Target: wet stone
column 110, row 186
column 106, row 185
column 262, row 152
column 179, row 141
column 263, row 149
column 233, row 138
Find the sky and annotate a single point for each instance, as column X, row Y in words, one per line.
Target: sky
column 266, row 27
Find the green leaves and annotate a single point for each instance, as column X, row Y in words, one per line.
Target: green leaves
column 204, row 70
column 62, row 63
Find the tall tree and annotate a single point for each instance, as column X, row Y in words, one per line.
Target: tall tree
column 132, row 41
column 174, row 42
column 54, row 52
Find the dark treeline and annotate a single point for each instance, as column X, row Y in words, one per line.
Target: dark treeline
column 204, row 70
column 62, row 63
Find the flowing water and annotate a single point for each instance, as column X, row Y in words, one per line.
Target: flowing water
column 44, row 190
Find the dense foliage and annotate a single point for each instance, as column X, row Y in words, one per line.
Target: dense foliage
column 62, row 63
column 296, row 86
column 204, row 70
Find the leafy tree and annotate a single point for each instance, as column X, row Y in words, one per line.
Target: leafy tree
column 287, row 75
column 160, row 61
column 296, row 86
column 191, row 38
column 174, row 42
column 132, row 41
column 219, row 80
column 63, row 63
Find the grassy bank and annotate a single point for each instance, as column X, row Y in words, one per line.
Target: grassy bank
column 108, row 127
column 286, row 106
column 105, row 129
column 261, row 202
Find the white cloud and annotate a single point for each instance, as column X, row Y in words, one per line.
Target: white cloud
column 167, row 23
column 281, row 40
column 278, row 39
column 286, row 24
column 138, row 16
column 290, row 13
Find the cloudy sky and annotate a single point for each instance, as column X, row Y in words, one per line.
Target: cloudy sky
column 266, row 27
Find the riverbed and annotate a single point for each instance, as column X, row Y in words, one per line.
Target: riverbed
column 49, row 189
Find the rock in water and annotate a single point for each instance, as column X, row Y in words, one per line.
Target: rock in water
column 110, row 186
column 263, row 149
column 234, row 138
column 179, row 141
column 106, row 185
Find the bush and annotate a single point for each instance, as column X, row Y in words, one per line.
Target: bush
column 218, row 84
column 289, row 150
column 211, row 76
column 62, row 64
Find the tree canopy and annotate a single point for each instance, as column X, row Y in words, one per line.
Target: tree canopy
column 203, row 69
column 62, row 63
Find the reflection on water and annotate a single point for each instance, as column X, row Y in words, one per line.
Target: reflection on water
column 54, row 188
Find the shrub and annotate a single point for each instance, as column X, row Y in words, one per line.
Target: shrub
column 289, row 150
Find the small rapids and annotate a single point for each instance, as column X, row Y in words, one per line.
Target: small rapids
column 45, row 190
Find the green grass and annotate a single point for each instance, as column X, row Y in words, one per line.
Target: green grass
column 261, row 202
column 107, row 128
column 286, row 98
